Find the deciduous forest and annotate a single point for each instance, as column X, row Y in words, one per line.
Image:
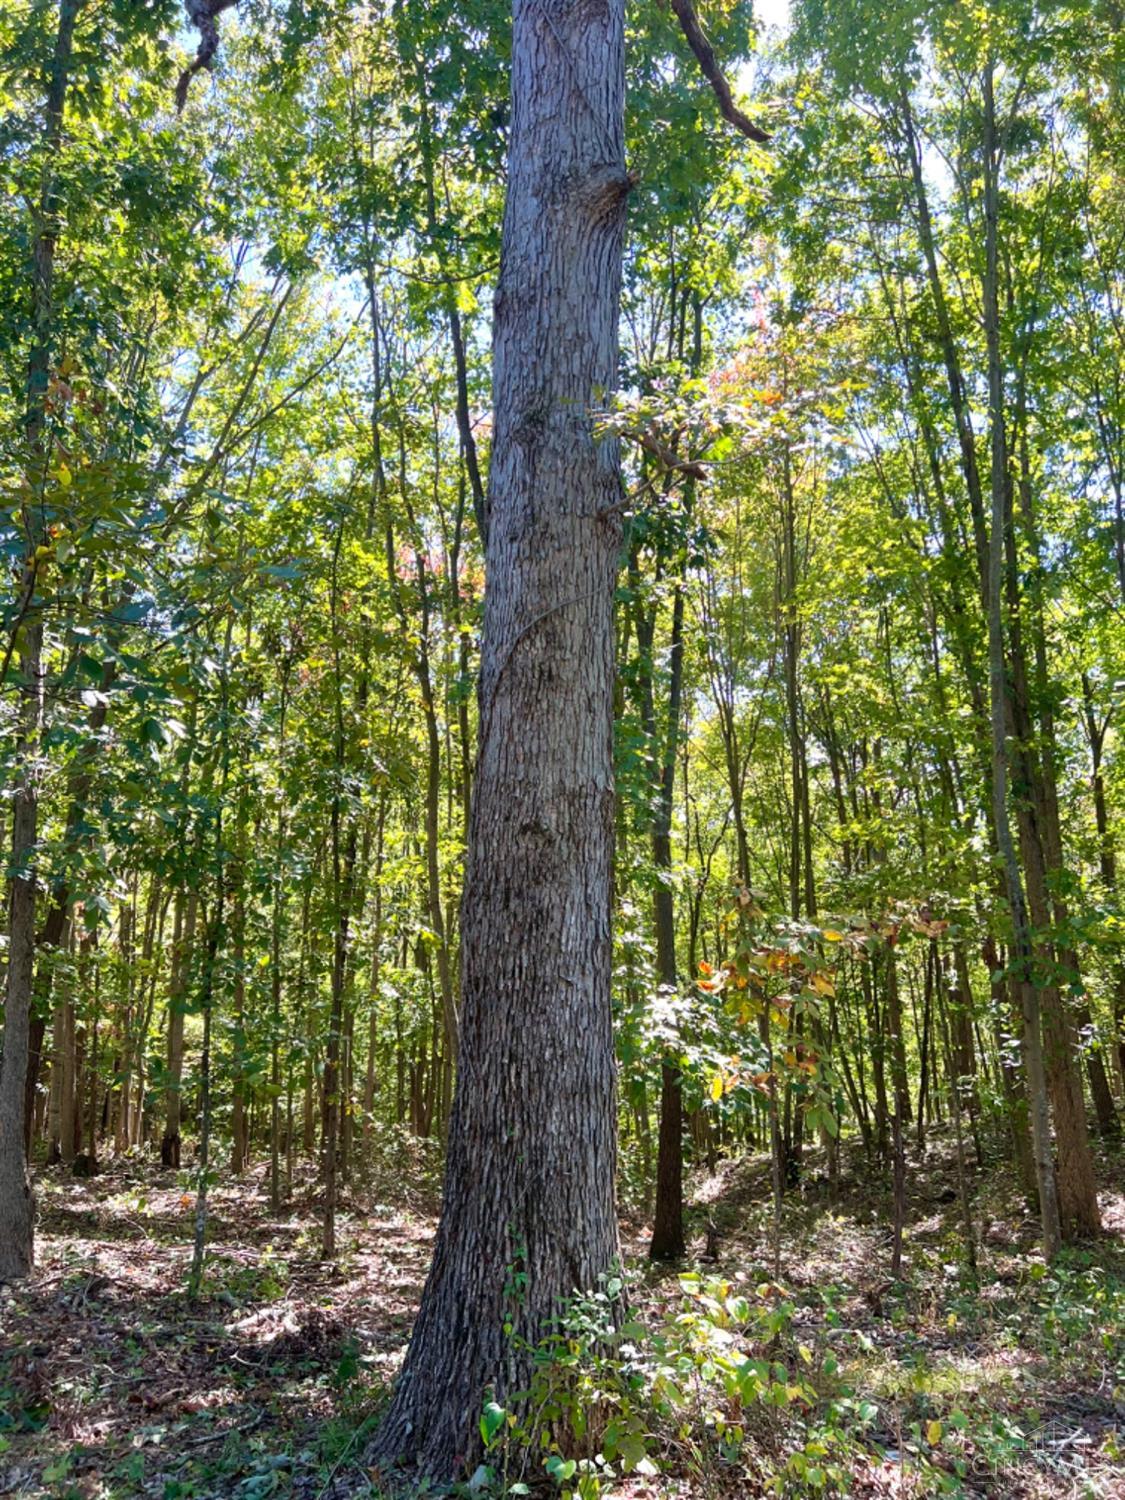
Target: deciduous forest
column 562, row 749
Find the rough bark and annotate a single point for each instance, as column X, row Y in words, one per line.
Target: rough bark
column 1041, row 852
column 1072, row 1012
column 529, row 1214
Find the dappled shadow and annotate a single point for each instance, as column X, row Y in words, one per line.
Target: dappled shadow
column 107, row 1373
column 112, row 1384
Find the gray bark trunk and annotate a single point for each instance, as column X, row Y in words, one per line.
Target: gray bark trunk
column 529, row 1213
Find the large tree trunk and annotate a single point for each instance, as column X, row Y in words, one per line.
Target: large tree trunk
column 1041, row 854
column 529, row 1213
column 1080, row 1205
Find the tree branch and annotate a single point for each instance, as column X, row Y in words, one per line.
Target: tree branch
column 697, row 41
column 665, row 455
column 201, row 14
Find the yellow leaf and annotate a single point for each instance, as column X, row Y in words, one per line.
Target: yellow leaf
column 717, row 1087
column 933, row 1433
column 833, row 937
column 805, row 1352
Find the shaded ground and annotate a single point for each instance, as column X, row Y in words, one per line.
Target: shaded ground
column 1023, row 1367
column 111, row 1385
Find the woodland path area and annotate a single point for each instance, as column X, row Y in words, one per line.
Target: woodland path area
column 112, row 1384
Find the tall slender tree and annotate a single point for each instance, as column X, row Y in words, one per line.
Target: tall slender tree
column 16, row 1204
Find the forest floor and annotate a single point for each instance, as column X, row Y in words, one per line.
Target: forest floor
column 113, row 1385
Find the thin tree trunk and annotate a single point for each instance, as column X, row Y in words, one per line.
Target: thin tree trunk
column 16, row 1201
column 150, row 972
column 924, row 1048
column 61, row 1042
column 668, row 1241
column 239, row 1131
column 277, row 921
column 955, row 1083
column 893, row 1013
column 1021, row 958
column 1107, row 859
column 183, row 946
column 215, row 930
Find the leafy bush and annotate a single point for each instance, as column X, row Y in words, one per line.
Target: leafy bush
column 719, row 1381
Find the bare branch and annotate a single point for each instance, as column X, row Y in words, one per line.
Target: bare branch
column 665, row 455
column 697, row 41
column 201, row 14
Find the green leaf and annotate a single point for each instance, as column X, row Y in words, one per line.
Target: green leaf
column 492, row 1419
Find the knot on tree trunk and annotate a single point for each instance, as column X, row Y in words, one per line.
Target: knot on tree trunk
column 604, row 190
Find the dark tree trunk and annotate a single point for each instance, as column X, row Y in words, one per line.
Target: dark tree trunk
column 16, row 1203
column 183, row 944
column 668, row 1217
column 529, row 1213
column 668, row 1221
column 1107, row 858
column 1020, row 959
column 901, row 1102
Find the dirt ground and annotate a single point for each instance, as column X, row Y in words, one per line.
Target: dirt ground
column 113, row 1385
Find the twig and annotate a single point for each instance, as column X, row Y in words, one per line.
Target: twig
column 651, row 445
column 221, row 1435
